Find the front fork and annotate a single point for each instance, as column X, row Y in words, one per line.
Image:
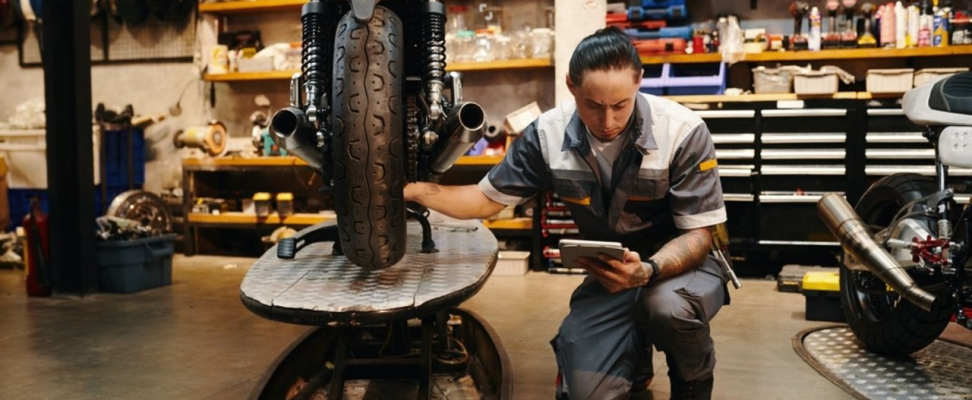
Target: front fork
column 945, row 232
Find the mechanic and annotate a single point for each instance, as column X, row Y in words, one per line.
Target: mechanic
column 635, row 169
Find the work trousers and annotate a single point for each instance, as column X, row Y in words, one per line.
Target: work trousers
column 605, row 340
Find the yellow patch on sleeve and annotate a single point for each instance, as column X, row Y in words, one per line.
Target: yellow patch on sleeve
column 707, row 165
column 584, row 202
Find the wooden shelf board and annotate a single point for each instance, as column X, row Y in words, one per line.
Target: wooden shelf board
column 238, row 218
column 202, row 163
column 510, row 224
column 249, row 76
column 479, row 160
column 761, row 97
column 500, row 65
column 461, row 67
column 845, row 54
column 257, row 6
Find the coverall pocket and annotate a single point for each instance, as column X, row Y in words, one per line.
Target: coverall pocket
column 648, row 189
column 572, row 191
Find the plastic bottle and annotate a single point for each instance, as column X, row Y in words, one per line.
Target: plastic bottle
column 914, row 24
column 900, row 26
column 940, row 33
column 887, row 26
column 925, row 25
column 813, row 43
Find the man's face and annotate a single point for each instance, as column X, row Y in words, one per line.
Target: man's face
column 605, row 100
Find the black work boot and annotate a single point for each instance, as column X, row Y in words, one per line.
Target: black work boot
column 691, row 390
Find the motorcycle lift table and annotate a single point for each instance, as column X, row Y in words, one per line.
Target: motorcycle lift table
column 365, row 315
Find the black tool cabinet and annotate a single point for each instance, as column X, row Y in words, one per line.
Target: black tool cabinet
column 776, row 162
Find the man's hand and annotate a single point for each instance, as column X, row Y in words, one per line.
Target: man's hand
column 617, row 275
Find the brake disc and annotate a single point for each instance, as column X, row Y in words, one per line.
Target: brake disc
column 146, row 208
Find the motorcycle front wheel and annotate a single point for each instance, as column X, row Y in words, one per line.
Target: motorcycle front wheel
column 880, row 319
column 369, row 177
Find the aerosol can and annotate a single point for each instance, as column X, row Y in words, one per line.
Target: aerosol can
column 814, row 41
column 900, row 26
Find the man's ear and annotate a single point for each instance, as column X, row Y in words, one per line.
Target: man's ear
column 570, row 85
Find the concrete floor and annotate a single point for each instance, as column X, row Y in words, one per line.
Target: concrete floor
column 194, row 340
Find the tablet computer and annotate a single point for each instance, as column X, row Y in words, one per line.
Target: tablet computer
column 571, row 249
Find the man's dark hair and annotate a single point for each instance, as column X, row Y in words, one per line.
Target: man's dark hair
column 607, row 49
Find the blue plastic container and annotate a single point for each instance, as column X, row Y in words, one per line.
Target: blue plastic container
column 695, row 79
column 677, row 12
column 653, row 81
column 661, row 3
column 19, row 201
column 679, row 32
column 117, row 146
column 135, row 265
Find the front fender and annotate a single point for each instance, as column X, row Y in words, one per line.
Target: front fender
column 363, row 9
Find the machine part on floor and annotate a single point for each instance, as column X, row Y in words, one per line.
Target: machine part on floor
column 346, row 363
column 942, row 370
column 145, row 207
column 856, row 239
column 211, row 139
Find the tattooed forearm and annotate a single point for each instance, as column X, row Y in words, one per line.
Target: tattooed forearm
column 684, row 252
column 431, row 189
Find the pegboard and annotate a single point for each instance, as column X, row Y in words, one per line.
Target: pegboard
column 151, row 40
column 112, row 41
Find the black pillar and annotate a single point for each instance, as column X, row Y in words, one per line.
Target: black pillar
column 70, row 176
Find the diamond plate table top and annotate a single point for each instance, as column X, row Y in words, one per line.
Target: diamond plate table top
column 940, row 371
column 317, row 288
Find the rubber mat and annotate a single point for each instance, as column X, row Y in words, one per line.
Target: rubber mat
column 943, row 370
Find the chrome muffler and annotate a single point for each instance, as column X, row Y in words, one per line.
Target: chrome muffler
column 857, row 240
column 296, row 134
column 465, row 125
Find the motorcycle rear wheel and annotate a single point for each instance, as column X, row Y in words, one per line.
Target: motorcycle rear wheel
column 880, row 319
column 367, row 143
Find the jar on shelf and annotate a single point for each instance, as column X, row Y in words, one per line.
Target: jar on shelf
column 456, row 19
column 502, row 47
column 464, row 46
column 542, row 43
column 483, row 46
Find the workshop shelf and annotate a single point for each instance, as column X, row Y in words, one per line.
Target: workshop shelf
column 841, row 54
column 458, row 67
column 251, row 7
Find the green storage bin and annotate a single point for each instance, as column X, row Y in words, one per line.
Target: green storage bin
column 135, row 265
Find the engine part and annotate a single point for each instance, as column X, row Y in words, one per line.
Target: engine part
column 148, row 209
column 434, row 58
column 464, row 127
column 856, row 239
column 314, row 61
column 211, row 138
column 296, row 134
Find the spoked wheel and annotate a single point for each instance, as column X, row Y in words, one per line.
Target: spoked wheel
column 882, row 320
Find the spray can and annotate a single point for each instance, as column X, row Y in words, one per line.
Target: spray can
column 900, row 26
column 926, row 22
column 888, row 26
column 914, row 25
column 814, row 41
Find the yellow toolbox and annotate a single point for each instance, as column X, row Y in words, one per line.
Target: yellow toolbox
column 822, row 293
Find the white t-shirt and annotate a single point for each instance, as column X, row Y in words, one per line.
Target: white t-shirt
column 606, row 153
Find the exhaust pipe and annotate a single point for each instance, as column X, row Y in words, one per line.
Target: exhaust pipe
column 296, row 134
column 464, row 126
column 856, row 239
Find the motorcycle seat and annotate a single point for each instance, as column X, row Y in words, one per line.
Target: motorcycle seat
column 947, row 102
column 953, row 94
